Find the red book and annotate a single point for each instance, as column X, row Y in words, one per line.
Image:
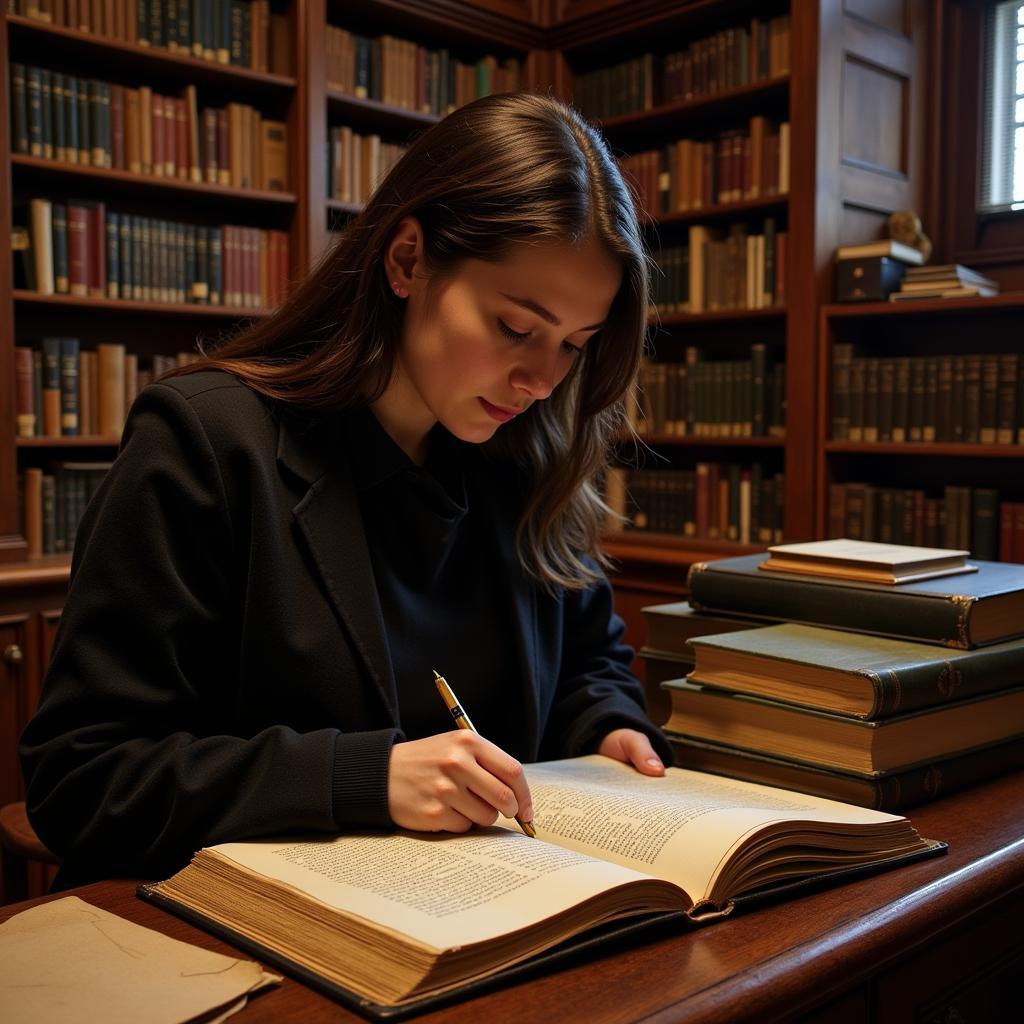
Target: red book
column 24, row 392
column 181, row 141
column 1006, row 531
column 97, row 261
column 78, row 249
column 1018, row 532
column 157, row 134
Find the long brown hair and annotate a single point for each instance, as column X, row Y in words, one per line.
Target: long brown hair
column 502, row 170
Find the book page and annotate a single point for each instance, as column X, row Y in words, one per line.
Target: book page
column 441, row 889
column 680, row 827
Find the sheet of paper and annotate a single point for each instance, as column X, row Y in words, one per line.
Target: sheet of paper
column 67, row 961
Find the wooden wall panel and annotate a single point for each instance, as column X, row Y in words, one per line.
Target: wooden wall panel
column 875, row 92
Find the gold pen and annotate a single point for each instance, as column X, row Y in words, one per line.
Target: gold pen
column 463, row 722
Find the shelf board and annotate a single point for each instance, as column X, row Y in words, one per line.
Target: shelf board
column 669, row 116
column 131, row 306
column 925, row 307
column 381, row 114
column 133, row 57
column 722, row 211
column 81, row 441
column 141, row 184
column 670, row 549
column 720, row 316
column 35, row 571
column 932, row 448
column 708, row 442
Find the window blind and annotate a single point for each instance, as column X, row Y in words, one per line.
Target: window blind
column 1001, row 182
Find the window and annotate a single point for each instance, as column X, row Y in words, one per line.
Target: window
column 1002, row 170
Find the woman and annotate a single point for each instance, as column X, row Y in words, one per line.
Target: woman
column 394, row 473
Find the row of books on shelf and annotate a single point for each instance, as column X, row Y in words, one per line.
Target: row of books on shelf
column 53, row 502
column 691, row 174
column 972, row 398
column 722, row 270
column 245, row 33
column 401, row 73
column 733, row 57
column 356, row 164
column 876, row 694
column 712, row 398
column 63, row 390
column 83, row 249
column 713, row 501
column 972, row 518
column 103, row 124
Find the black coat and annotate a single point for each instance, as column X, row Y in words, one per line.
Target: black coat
column 221, row 668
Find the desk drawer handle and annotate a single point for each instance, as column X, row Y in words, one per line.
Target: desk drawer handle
column 13, row 654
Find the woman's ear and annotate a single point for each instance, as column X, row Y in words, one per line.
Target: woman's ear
column 403, row 254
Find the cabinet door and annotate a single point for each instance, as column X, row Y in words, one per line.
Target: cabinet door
column 18, row 665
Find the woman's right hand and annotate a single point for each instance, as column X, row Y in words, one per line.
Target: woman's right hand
column 452, row 781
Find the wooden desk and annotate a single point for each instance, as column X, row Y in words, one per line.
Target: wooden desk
column 936, row 942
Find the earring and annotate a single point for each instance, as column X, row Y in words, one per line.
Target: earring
column 399, row 290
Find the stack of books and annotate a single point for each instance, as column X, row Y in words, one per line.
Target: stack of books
column 948, row 281
column 867, row 690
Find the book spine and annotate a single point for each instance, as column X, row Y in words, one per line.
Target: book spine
column 905, row 614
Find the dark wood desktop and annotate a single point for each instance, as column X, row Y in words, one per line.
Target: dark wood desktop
column 935, row 942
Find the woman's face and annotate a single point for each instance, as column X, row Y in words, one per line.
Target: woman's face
column 493, row 339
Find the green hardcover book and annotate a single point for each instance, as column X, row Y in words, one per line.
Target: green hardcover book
column 19, row 108
column 962, row 611
column 840, row 742
column 69, row 376
column 58, row 121
column 890, row 792
column 854, row 674
column 59, row 226
column 71, row 145
column 46, row 101
column 84, row 123
column 33, row 78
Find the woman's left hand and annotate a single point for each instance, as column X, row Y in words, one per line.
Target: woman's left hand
column 632, row 747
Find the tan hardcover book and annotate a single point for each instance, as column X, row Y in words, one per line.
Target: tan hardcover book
column 41, row 227
column 132, row 131
column 842, row 742
column 131, row 379
column 191, row 161
column 33, row 485
column 110, row 365
column 274, row 156
column 451, row 910
column 280, row 44
column 236, row 142
column 146, row 129
column 868, row 561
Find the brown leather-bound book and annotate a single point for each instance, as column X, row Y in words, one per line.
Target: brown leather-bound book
column 274, row 156
column 110, row 366
column 32, row 483
column 959, row 611
column 145, row 129
column 191, row 162
column 87, row 391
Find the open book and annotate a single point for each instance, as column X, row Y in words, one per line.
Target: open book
column 389, row 920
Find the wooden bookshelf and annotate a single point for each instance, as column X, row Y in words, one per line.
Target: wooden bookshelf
column 925, row 331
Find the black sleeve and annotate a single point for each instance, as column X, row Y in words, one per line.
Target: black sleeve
column 596, row 693
column 128, row 764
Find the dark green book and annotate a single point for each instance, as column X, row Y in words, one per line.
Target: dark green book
column 891, row 792
column 69, row 376
column 854, row 674
column 19, row 108
column 962, row 611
